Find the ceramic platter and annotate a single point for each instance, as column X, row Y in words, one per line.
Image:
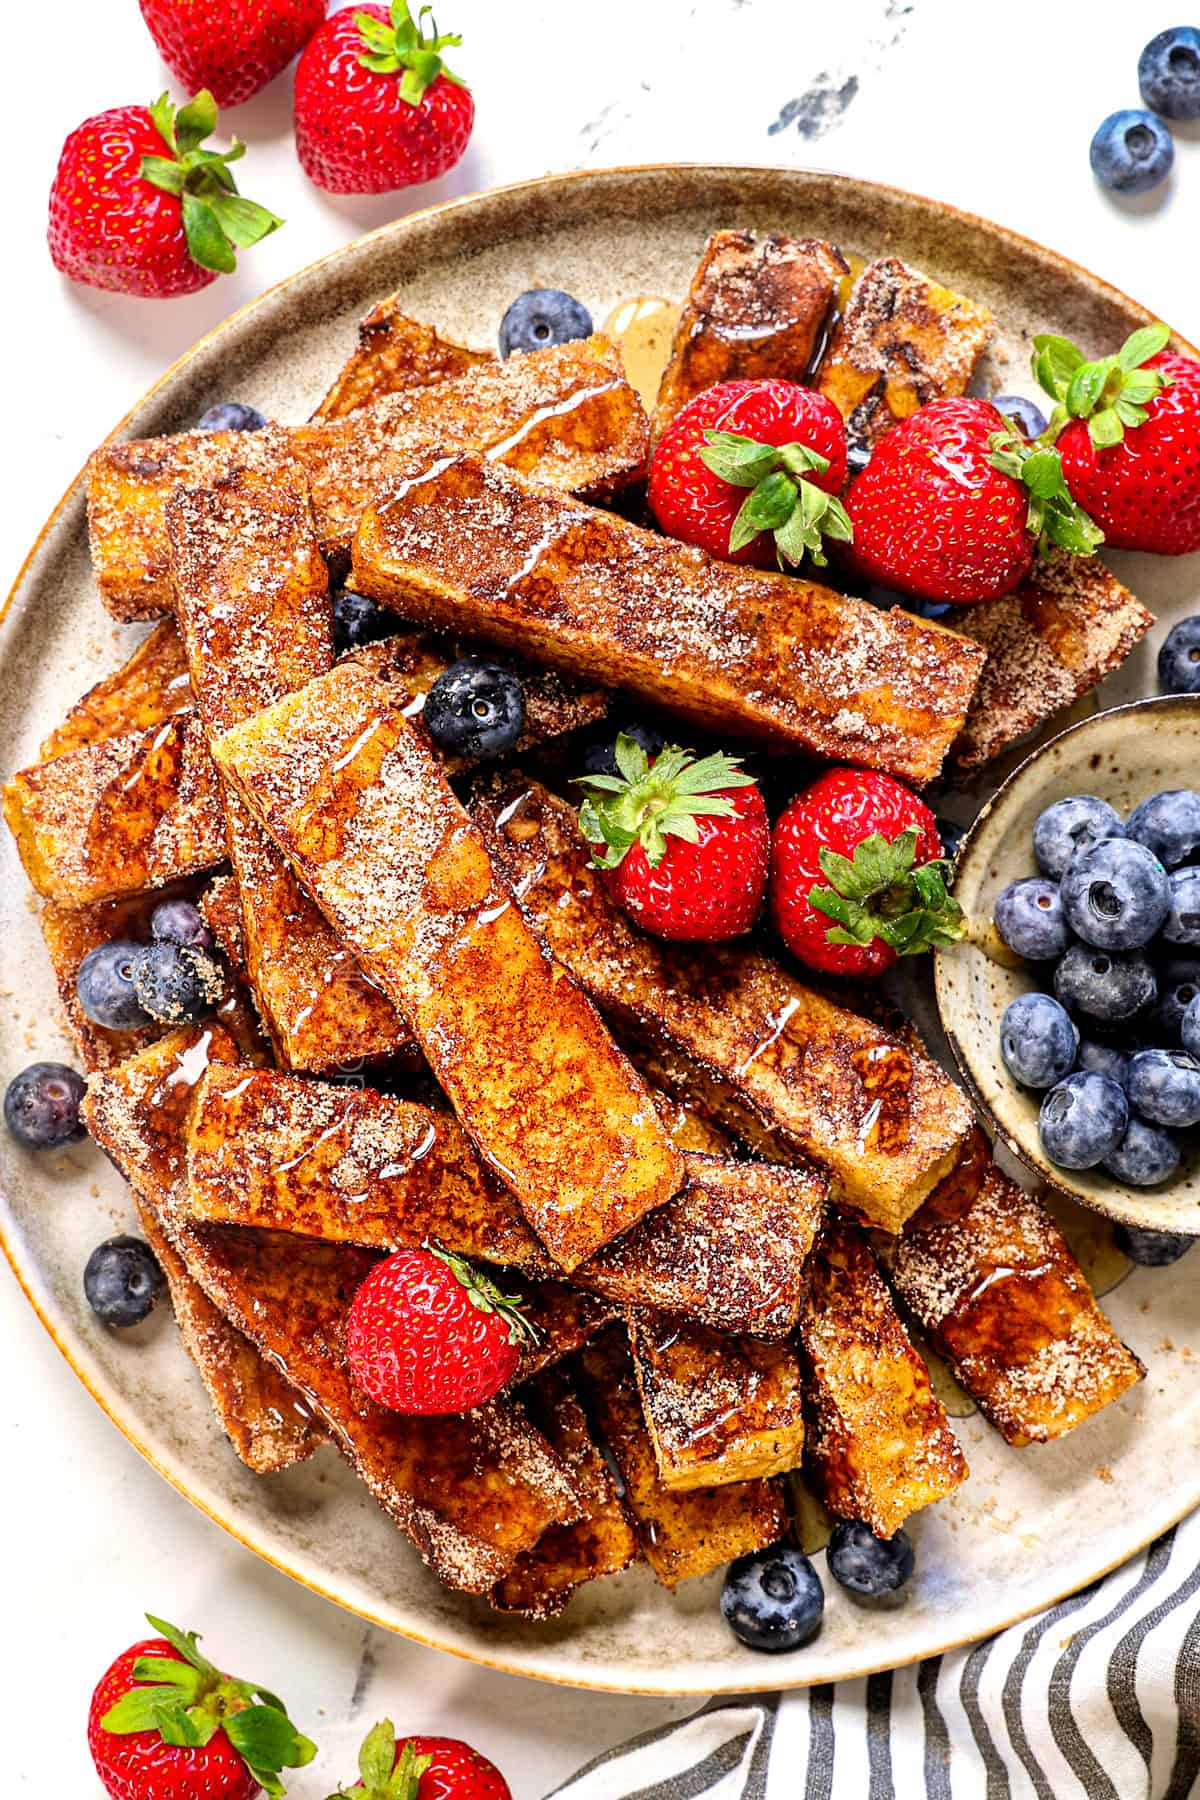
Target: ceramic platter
column 1030, row 1525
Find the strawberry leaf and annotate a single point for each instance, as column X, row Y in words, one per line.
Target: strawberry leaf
column 781, row 500
column 207, row 243
column 1141, row 345
column 162, row 173
column 377, row 1758
column 217, row 221
column 1109, row 428
column 163, row 114
column 1053, row 516
column 268, row 1741
column 185, row 1643
column 1055, row 360
column 243, row 221
column 185, row 1730
column 165, row 1669
column 1114, row 388
column 138, row 1710
column 741, row 461
column 401, row 47
column 877, row 894
column 651, row 802
column 195, row 122
column 485, row 1296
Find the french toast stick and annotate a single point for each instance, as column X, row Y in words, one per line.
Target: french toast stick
column 757, row 306
column 878, row 1444
column 988, row 1276
column 350, row 790
column 718, row 1409
column 878, row 1115
column 602, row 1542
column 395, row 352
column 472, row 546
column 221, row 905
column 150, row 686
column 682, row 1534
column 563, row 1319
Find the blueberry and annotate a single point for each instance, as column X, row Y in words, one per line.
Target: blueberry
column 1144, row 1157
column 122, row 1281
column 1102, row 1059
column 105, row 988
column 1038, row 1040
column 1182, row 924
column 1164, row 1086
column 1116, row 895
column 1169, row 73
column 858, row 455
column 871, row 1567
column 1104, row 984
column 1178, row 986
column 1132, row 152
column 1179, row 658
column 950, row 836
column 924, row 609
column 41, row 1105
column 1071, row 825
column 358, row 621
column 1168, row 824
column 600, row 757
column 475, row 709
column 1024, row 414
column 1029, row 917
column 1152, row 1249
column 773, row 1600
column 179, row 922
column 177, row 983
column 231, row 415
column 1190, row 1029
column 1082, row 1120
column 541, row 317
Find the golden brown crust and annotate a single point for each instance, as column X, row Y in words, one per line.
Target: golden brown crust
column 221, row 905
column 395, row 352
column 149, row 687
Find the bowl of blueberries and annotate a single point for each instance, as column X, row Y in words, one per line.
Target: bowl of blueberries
column 1073, row 1005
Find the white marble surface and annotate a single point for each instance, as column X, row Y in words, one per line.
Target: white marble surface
column 989, row 106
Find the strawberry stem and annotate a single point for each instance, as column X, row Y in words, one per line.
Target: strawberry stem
column 217, row 220
column 1110, row 394
column 798, row 513
column 651, row 801
column 402, row 44
column 879, row 894
column 384, row 1775
column 485, row 1296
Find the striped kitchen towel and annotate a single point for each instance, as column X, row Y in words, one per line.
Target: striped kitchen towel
column 1096, row 1699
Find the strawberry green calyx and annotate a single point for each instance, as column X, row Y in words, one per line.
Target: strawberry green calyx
column 1110, row 394
column 798, row 513
column 485, row 1296
column 188, row 1702
column 217, row 220
column 403, row 45
column 879, row 894
column 1053, row 517
column 384, row 1775
column 649, row 802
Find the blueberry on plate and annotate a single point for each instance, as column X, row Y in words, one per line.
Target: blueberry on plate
column 180, row 922
column 1038, row 1040
column 177, row 983
column 1109, row 985
column 105, row 987
column 950, row 836
column 600, row 757
column 1070, row 825
column 122, row 1281
column 358, row 621
column 1182, row 923
column 1082, row 1120
column 1189, row 1029
column 773, row 1599
column 1132, row 152
column 1024, row 414
column 871, row 1567
column 1179, row 658
column 1029, row 917
column 1168, row 824
column 541, row 317
column 1145, row 1156
column 231, row 415
column 1164, row 1086
column 1151, row 1249
column 1169, row 73
column 475, row 709
column 1103, row 1059
column 41, row 1105
column 1116, row 895
column 1178, row 985
column 858, row 455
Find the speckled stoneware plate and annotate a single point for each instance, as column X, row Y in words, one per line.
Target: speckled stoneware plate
column 1124, row 755
column 1030, row 1525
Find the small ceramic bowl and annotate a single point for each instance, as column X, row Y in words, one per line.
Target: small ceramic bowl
column 1124, row 756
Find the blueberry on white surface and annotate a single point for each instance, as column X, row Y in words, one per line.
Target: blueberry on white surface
column 1038, row 1040
column 122, row 1281
column 772, row 1599
column 1025, row 414
column 1109, row 985
column 1169, row 73
column 1132, row 152
column 476, row 709
column 177, row 984
column 180, row 922
column 231, row 415
column 1116, row 894
column 1082, row 1120
column 1152, row 1249
column 1102, row 1059
column 105, row 987
column 1069, row 826
column 1179, row 658
column 1190, row 1029
column 41, row 1105
column 1168, row 824
column 600, row 757
column 1182, row 923
column 358, row 621
column 1146, row 1156
column 541, row 317
column 870, row 1567
column 1029, row 917
column 1164, row 1087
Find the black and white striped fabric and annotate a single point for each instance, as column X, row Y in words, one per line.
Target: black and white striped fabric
column 1096, row 1699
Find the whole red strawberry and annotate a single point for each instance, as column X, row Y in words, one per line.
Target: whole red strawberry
column 784, row 443
column 953, row 505
column 423, row 1768
column 1128, row 432
column 232, row 48
column 376, row 107
column 138, row 207
column 684, row 843
column 427, row 1333
column 857, row 877
column 164, row 1724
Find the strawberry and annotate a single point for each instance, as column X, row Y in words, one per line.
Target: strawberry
column 376, row 107
column 684, row 843
column 164, row 1724
column 954, row 503
column 423, row 1768
column 861, row 850
column 138, row 207
column 427, row 1333
column 233, row 47
column 785, row 443
column 1128, row 433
